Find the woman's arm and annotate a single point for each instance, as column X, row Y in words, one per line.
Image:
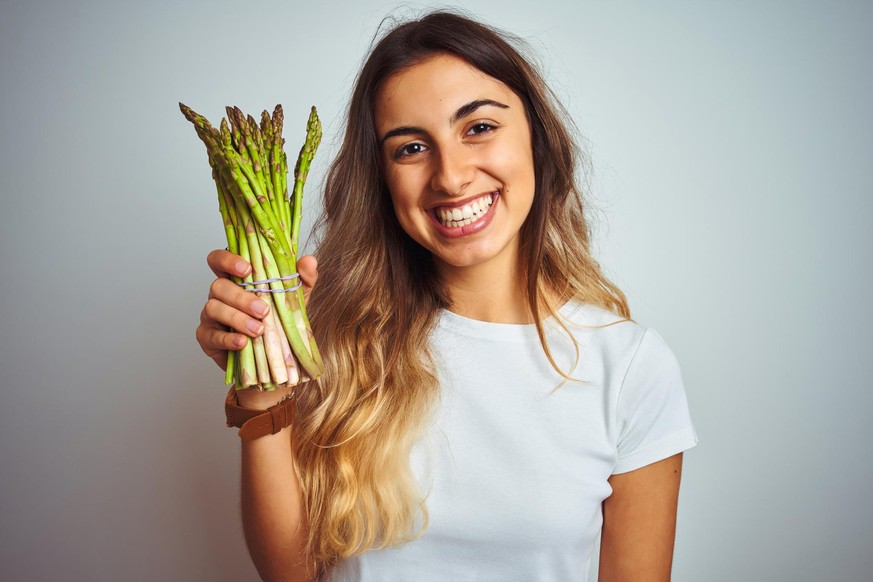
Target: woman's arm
column 272, row 513
column 639, row 523
column 272, row 510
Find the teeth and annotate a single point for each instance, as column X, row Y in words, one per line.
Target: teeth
column 467, row 214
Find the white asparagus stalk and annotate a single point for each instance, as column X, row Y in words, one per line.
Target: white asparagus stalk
column 276, row 346
column 292, row 377
column 268, row 349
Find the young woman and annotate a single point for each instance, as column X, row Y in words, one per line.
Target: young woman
column 488, row 407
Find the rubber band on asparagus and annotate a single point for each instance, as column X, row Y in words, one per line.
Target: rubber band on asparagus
column 273, row 280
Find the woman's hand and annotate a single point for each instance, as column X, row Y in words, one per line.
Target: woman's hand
column 229, row 305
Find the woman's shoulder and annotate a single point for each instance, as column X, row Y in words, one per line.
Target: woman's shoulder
column 615, row 336
column 590, row 311
column 588, row 316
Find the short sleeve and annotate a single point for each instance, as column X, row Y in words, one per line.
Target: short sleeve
column 652, row 417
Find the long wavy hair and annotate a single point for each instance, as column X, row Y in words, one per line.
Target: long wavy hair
column 378, row 296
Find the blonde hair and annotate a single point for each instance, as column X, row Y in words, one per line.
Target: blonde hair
column 378, row 297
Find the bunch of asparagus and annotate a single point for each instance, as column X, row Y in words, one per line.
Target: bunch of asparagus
column 262, row 223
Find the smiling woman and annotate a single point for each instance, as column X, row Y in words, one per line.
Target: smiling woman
column 458, row 163
column 488, row 407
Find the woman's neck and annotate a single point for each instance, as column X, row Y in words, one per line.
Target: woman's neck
column 494, row 291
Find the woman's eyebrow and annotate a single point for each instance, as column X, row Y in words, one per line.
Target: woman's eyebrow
column 462, row 112
column 406, row 130
column 468, row 109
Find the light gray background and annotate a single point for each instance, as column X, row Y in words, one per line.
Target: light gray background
column 731, row 147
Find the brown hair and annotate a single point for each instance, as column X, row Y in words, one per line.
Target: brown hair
column 378, row 295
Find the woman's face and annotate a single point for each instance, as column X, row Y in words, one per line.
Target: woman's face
column 457, row 160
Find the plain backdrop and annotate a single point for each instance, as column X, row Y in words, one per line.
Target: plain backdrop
column 730, row 193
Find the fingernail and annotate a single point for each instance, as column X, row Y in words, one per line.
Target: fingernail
column 255, row 326
column 260, row 307
column 239, row 342
column 242, row 267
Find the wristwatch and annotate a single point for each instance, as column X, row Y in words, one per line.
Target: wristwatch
column 254, row 423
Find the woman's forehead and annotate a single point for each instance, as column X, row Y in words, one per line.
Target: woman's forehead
column 434, row 88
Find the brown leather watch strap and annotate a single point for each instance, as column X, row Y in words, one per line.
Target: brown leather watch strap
column 255, row 423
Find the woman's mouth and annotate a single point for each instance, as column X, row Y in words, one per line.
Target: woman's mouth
column 455, row 221
column 466, row 214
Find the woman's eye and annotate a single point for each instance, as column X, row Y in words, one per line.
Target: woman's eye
column 409, row 149
column 481, row 127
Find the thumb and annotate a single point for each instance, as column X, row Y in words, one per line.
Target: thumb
column 307, row 267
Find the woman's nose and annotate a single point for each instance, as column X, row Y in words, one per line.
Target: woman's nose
column 453, row 170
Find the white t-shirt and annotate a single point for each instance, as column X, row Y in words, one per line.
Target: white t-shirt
column 514, row 471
